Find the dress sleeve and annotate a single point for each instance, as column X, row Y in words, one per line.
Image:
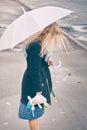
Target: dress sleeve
column 35, row 66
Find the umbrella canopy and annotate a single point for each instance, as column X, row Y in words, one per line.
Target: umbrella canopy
column 30, row 23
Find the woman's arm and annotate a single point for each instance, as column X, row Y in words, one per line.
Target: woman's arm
column 34, row 60
column 48, row 60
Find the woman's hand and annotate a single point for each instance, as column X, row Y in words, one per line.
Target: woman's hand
column 50, row 62
column 38, row 99
column 39, row 93
column 34, row 101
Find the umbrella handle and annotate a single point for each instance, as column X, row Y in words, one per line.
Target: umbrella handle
column 57, row 66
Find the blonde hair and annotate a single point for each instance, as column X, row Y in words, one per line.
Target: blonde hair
column 50, row 36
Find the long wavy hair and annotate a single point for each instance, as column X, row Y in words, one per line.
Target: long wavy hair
column 50, row 36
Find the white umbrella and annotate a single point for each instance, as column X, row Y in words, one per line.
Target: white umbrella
column 30, row 23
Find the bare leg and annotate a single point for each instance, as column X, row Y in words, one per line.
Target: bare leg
column 34, row 124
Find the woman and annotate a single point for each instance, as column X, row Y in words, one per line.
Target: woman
column 37, row 75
